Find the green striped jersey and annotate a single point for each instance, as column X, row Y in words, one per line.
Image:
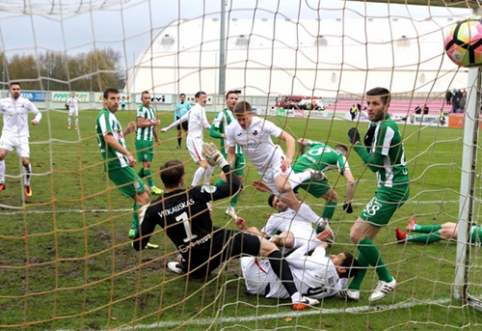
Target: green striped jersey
column 105, row 124
column 147, row 133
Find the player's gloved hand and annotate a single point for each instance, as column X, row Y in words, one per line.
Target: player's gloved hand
column 368, row 139
column 353, row 135
column 347, row 207
column 213, row 156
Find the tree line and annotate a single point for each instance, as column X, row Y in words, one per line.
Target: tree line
column 56, row 71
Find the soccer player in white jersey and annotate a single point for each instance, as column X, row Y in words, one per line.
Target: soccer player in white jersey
column 197, row 121
column 15, row 133
column 314, row 273
column 74, row 104
column 253, row 134
column 288, row 229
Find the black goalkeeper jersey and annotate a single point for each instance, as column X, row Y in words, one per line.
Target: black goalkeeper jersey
column 184, row 215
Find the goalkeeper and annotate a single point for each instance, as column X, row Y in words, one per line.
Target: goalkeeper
column 323, row 158
column 184, row 216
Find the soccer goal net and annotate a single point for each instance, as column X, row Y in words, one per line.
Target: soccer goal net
column 66, row 259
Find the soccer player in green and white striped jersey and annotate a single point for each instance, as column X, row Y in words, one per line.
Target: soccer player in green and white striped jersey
column 118, row 161
column 146, row 135
column 386, row 158
column 218, row 130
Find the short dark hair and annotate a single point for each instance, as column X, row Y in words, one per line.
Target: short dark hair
column 350, row 263
column 198, row 94
column 242, row 107
column 110, row 90
column 171, row 173
column 231, row 92
column 342, row 147
column 145, row 92
column 270, row 200
column 14, row 83
column 182, row 94
column 381, row 92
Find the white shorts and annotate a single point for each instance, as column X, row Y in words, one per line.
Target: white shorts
column 274, row 171
column 73, row 112
column 195, row 147
column 20, row 144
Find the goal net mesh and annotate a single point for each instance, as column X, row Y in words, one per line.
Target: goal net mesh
column 66, row 261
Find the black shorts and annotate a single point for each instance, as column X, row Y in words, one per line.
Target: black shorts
column 183, row 124
column 225, row 244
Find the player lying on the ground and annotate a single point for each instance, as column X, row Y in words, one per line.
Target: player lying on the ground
column 316, row 274
column 434, row 233
column 203, row 247
column 288, row 229
column 322, row 157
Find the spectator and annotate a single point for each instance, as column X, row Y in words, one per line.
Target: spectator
column 425, row 110
column 448, row 97
column 418, row 110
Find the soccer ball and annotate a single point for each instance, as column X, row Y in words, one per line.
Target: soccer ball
column 464, row 42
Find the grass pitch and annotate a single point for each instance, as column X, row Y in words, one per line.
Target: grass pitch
column 66, row 261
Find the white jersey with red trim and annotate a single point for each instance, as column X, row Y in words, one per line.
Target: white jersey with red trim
column 314, row 276
column 197, row 122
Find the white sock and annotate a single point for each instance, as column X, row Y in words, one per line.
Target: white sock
column 208, row 174
column 197, row 176
column 76, row 121
column 308, row 214
column 26, row 173
column 69, row 121
column 2, row 171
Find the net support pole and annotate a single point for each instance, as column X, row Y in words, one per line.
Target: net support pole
column 222, row 50
column 467, row 183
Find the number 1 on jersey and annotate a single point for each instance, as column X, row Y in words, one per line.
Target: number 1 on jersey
column 187, row 226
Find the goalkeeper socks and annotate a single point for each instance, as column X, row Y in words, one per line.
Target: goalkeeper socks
column 358, row 279
column 427, row 228
column 2, row 171
column 372, row 255
column 425, row 238
column 208, row 174
column 197, row 176
column 283, row 271
column 148, row 175
column 27, row 172
column 329, row 210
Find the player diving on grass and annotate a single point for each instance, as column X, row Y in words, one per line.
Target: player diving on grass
column 203, row 247
column 253, row 134
column 218, row 130
column 314, row 272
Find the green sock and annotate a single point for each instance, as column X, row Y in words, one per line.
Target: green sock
column 140, row 173
column 234, row 199
column 425, row 238
column 219, row 182
column 427, row 228
column 329, row 210
column 372, row 255
column 148, row 175
column 135, row 216
column 357, row 280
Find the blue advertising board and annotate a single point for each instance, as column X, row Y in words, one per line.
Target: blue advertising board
column 31, row 95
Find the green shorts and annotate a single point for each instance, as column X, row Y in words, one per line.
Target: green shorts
column 316, row 188
column 476, row 234
column 383, row 205
column 239, row 162
column 127, row 181
column 144, row 150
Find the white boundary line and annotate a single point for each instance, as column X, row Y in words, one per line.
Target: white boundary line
column 293, row 314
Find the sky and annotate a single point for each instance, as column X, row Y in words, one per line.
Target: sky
column 130, row 25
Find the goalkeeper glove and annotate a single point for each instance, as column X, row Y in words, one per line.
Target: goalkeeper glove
column 213, row 156
column 347, row 207
column 353, row 135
